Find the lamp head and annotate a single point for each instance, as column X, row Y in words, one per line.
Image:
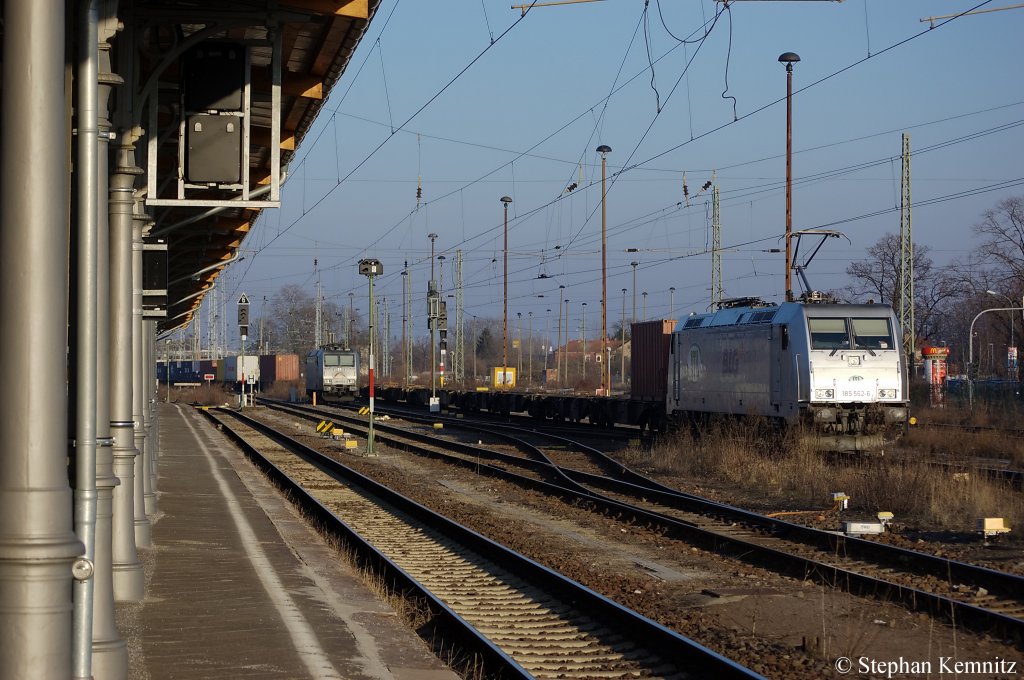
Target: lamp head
column 506, row 200
column 789, row 58
column 603, row 149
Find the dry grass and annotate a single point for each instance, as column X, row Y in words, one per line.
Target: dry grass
column 792, row 476
column 981, row 444
column 204, row 395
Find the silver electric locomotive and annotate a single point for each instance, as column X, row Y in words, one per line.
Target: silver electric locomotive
column 333, row 371
column 836, row 369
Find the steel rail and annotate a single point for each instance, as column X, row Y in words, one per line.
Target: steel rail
column 845, row 547
column 668, row 644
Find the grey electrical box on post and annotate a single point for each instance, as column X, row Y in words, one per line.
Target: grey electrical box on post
column 214, row 148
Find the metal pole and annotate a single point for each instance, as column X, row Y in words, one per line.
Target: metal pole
column 583, row 343
column 547, row 343
column 39, row 546
column 789, row 58
column 634, row 263
column 373, row 319
column 519, row 336
column 558, row 344
column 565, row 362
column 529, row 351
column 350, row 341
column 405, row 355
column 84, row 388
column 504, row 325
column 431, row 290
column 622, row 348
column 645, row 305
column 109, row 651
column 672, row 302
column 605, row 370
column 128, row 575
column 143, row 534
column 970, row 348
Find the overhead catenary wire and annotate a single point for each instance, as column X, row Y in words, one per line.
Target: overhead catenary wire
column 372, row 153
column 752, row 113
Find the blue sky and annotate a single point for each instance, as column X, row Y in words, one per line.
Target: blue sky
column 525, row 117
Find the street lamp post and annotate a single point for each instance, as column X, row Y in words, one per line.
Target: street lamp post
column 1009, row 367
column 970, row 347
column 504, row 325
column 547, row 343
column 371, row 268
column 622, row 347
column 566, row 362
column 583, row 343
column 645, row 305
column 672, row 302
column 351, row 314
column 633, row 264
column 558, row 344
column 519, row 337
column 606, row 373
column 432, row 301
column 789, row 58
column 529, row 350
column 992, row 292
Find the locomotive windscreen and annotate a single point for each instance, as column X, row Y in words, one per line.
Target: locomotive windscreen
column 339, row 360
column 828, row 333
column 872, row 334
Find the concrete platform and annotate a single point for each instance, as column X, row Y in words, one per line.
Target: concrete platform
column 238, row 586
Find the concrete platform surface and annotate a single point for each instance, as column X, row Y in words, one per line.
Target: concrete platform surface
column 238, row 586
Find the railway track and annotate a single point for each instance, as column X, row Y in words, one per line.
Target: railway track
column 988, row 466
column 523, row 619
column 983, row 599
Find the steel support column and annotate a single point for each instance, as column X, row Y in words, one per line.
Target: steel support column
column 37, row 545
column 142, row 528
column 109, row 651
column 83, row 347
column 152, row 439
column 128, row 576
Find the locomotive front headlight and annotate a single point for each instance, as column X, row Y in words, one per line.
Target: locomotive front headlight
column 824, row 394
column 886, row 394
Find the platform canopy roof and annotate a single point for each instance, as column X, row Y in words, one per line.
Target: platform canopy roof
column 318, row 38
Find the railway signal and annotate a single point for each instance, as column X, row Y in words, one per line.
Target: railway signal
column 243, row 317
column 370, row 268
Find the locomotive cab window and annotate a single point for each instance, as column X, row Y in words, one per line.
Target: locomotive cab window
column 828, row 333
column 338, row 360
column 872, row 334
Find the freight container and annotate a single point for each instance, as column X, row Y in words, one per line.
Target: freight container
column 222, row 368
column 278, row 368
column 650, row 341
column 245, row 367
column 208, row 366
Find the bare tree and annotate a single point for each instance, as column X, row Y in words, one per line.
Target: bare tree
column 291, row 319
column 877, row 278
column 1002, row 232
